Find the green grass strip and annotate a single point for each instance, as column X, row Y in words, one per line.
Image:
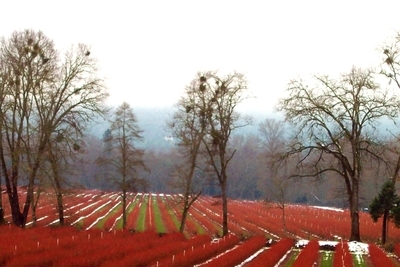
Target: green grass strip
column 358, row 260
column 160, row 227
column 140, row 224
column 129, row 209
column 293, row 258
column 171, row 213
column 79, row 224
column 199, row 228
column 327, row 259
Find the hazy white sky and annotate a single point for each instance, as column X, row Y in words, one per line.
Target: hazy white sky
column 149, row 50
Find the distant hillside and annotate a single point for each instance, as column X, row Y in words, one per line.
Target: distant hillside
column 153, row 123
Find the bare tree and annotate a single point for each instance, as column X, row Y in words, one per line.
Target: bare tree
column 246, row 167
column 2, row 219
column 222, row 94
column 189, row 126
column 59, row 162
column 335, row 122
column 41, row 95
column 278, row 184
column 122, row 157
column 390, row 68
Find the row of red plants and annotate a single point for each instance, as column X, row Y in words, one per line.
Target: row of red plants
column 200, row 253
column 245, row 218
column 174, row 206
column 213, row 213
column 379, row 257
column 70, row 247
column 342, row 256
column 165, row 216
column 133, row 217
column 270, row 257
column 238, row 254
column 308, row 255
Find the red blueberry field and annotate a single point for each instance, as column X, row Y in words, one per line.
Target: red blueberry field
column 314, row 236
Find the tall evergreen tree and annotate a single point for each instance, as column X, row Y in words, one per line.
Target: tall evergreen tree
column 386, row 205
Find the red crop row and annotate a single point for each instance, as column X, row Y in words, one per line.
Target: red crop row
column 99, row 253
column 132, row 218
column 238, row 254
column 203, row 220
column 165, row 216
column 379, row 257
column 171, row 206
column 342, row 256
column 55, row 247
column 308, row 256
column 89, row 210
column 213, row 209
column 199, row 254
column 174, row 204
column 245, row 217
column 102, row 211
column 110, row 222
column 250, row 215
column 214, row 213
column 270, row 257
column 150, row 225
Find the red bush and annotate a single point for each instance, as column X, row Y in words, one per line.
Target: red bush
column 308, row 256
column 342, row 256
column 270, row 257
column 379, row 257
column 199, row 253
column 239, row 254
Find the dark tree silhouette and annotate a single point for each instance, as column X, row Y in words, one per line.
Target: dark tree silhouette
column 122, row 158
column 40, row 96
column 335, row 122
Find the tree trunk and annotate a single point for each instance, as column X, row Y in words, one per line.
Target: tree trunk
column 34, row 218
column 58, row 189
column 225, row 230
column 183, row 219
column 16, row 214
column 124, row 209
column 188, row 202
column 60, row 207
column 354, row 216
column 29, row 195
column 12, row 193
column 184, row 212
column 2, row 221
column 283, row 218
column 34, row 204
column 384, row 226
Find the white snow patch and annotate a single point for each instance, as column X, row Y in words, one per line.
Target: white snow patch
column 354, row 247
column 328, row 208
column 358, row 247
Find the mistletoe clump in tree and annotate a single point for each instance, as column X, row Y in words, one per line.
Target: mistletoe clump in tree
column 44, row 100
